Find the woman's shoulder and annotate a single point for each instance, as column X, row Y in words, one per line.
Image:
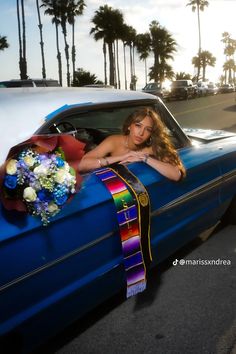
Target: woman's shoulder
column 115, row 138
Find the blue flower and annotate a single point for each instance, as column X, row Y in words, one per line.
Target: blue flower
column 60, row 199
column 60, row 162
column 10, row 181
column 44, row 195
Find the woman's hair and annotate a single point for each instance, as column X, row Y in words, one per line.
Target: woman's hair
column 160, row 141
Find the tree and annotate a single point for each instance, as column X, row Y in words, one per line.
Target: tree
column 202, row 61
column 143, row 45
column 182, row 76
column 3, row 42
column 52, row 9
column 106, row 22
column 229, row 66
column 83, row 77
column 22, row 39
column 75, row 8
column 198, row 5
column 130, row 38
column 40, row 26
column 63, row 16
column 229, row 50
column 163, row 46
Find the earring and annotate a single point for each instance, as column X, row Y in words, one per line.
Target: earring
column 149, row 141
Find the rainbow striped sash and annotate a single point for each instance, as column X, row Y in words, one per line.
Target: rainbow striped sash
column 132, row 206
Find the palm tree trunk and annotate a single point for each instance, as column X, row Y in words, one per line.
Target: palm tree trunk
column 111, row 64
column 24, row 63
column 125, row 66
column 40, row 26
column 73, row 54
column 134, row 78
column 145, row 64
column 58, row 54
column 117, row 63
column 64, row 31
column 105, row 61
column 114, row 64
column 19, row 39
column 131, row 67
column 199, row 40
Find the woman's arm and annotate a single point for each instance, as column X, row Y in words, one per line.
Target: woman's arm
column 98, row 157
column 165, row 168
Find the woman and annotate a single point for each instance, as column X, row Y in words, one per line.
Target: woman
column 144, row 139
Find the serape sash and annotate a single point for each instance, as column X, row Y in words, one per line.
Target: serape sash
column 132, row 209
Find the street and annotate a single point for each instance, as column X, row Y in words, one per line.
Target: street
column 185, row 309
column 210, row 112
column 188, row 308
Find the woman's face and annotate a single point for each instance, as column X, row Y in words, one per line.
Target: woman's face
column 140, row 132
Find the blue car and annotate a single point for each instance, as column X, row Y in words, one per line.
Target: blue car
column 50, row 276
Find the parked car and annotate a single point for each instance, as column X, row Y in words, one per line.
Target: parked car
column 212, row 89
column 226, row 88
column 156, row 89
column 183, row 89
column 50, row 276
column 29, row 83
column 202, row 88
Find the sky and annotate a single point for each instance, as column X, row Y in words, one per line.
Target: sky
column 174, row 15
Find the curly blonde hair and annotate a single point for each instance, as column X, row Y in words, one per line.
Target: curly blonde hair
column 159, row 140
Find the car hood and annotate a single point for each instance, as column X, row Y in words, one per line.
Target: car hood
column 207, row 134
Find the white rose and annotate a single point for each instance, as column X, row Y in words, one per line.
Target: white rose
column 52, row 207
column 11, row 167
column 60, row 176
column 29, row 161
column 66, row 167
column 29, row 194
column 41, row 170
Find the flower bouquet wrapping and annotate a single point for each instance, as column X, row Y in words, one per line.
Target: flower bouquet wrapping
column 40, row 175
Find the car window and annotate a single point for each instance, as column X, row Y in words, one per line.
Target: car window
column 94, row 125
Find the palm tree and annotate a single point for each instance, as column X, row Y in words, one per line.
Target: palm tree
column 21, row 39
column 83, row 77
column 205, row 59
column 75, row 8
column 130, row 42
column 229, row 50
column 106, row 21
column 52, row 9
column 123, row 37
column 182, row 76
column 229, row 66
column 24, row 62
column 3, row 42
column 40, row 26
column 163, row 46
column 63, row 6
column 143, row 45
column 198, row 5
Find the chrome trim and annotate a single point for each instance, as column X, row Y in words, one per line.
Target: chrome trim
column 185, row 197
column 199, row 190
column 56, row 261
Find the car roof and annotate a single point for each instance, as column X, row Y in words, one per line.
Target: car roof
column 24, row 110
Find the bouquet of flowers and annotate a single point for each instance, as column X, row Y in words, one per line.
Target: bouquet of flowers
column 38, row 179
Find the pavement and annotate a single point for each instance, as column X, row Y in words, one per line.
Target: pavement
column 186, row 308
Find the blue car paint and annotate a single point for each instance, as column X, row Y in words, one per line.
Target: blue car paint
column 54, row 274
column 54, row 264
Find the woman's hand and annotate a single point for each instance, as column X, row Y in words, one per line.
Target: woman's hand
column 133, row 156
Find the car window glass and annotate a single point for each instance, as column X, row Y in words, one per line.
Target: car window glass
column 95, row 125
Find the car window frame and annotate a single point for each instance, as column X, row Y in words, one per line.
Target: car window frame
column 166, row 116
